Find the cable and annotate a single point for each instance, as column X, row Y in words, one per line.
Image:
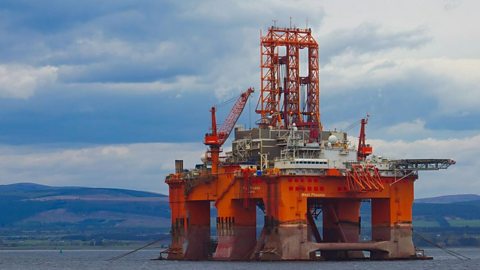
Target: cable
column 223, row 103
column 133, row 251
column 450, row 252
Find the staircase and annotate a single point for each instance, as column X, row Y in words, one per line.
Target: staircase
column 363, row 178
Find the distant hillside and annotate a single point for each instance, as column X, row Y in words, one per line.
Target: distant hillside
column 82, row 213
column 449, row 224
column 448, row 214
column 21, row 204
column 30, row 190
column 450, row 198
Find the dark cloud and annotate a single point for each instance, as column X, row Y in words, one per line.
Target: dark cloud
column 370, row 38
column 59, row 15
column 405, row 99
column 97, row 45
column 101, row 41
column 389, row 104
column 88, row 116
column 116, row 37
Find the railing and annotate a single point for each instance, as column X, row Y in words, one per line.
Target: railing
column 422, row 164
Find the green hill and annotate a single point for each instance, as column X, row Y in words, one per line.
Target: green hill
column 450, row 199
column 59, row 214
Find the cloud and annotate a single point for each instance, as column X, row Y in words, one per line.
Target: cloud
column 148, row 41
column 18, row 81
column 120, row 113
column 451, row 4
column 177, row 84
column 100, row 59
column 442, row 92
column 370, row 38
column 461, row 88
column 415, row 129
column 132, row 166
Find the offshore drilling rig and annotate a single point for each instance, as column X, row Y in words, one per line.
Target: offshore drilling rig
column 308, row 182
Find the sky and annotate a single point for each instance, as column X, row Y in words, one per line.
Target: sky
column 109, row 93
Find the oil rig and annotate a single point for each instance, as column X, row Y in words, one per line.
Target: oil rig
column 309, row 183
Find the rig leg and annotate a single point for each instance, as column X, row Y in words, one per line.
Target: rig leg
column 179, row 222
column 286, row 234
column 392, row 222
column 286, row 242
column 236, row 230
column 198, row 242
column 175, row 252
column 341, row 223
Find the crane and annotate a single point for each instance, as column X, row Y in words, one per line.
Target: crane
column 364, row 149
column 217, row 137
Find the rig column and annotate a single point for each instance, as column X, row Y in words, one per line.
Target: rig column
column 178, row 217
column 236, row 230
column 392, row 221
column 286, row 234
column 198, row 232
column 341, row 223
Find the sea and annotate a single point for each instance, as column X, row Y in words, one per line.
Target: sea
column 99, row 259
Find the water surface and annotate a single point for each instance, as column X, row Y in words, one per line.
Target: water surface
column 98, row 259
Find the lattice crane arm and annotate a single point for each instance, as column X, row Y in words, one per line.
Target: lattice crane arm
column 219, row 136
column 232, row 118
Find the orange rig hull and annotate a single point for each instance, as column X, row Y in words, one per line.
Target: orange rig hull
column 289, row 231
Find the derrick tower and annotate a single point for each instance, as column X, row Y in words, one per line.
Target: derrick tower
column 286, row 97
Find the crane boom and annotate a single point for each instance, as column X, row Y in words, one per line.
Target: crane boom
column 217, row 137
column 233, row 116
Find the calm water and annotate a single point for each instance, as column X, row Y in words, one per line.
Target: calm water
column 94, row 259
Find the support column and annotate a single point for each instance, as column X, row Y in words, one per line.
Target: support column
column 285, row 235
column 236, row 230
column 341, row 224
column 178, row 221
column 198, row 231
column 392, row 222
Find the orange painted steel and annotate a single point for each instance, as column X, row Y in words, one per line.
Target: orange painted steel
column 286, row 200
column 363, row 178
column 364, row 150
column 291, row 194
